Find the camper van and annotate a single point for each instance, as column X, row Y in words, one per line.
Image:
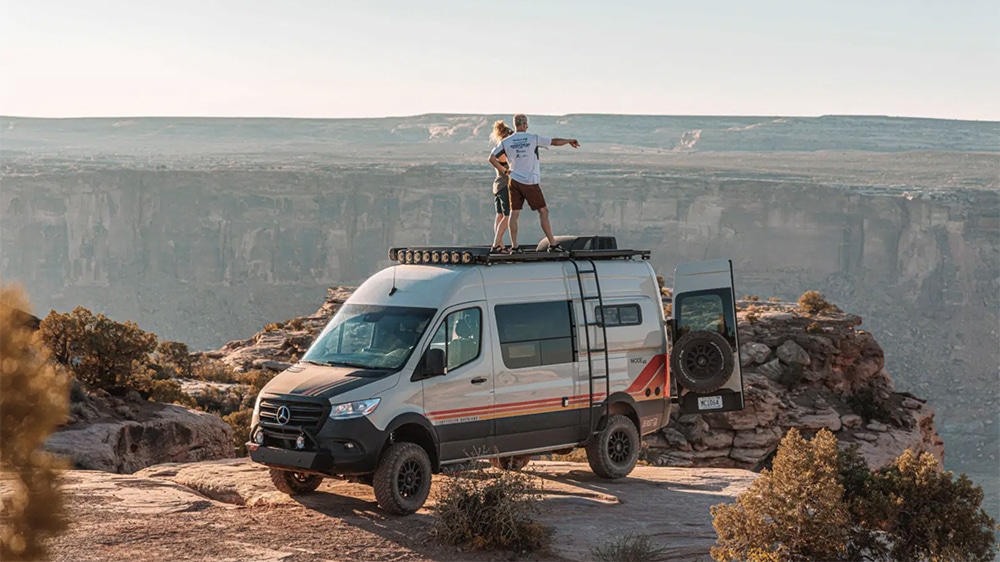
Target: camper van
column 454, row 353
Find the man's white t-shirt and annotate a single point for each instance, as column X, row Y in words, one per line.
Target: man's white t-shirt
column 522, row 155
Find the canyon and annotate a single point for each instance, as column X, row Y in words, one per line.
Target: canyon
column 205, row 230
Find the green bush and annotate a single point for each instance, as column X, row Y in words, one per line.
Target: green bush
column 791, row 513
column 823, row 504
column 866, row 403
column 213, row 370
column 486, row 509
column 628, row 548
column 813, row 302
column 98, row 350
column 177, row 355
column 34, row 401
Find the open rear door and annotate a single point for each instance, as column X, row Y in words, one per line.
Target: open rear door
column 705, row 356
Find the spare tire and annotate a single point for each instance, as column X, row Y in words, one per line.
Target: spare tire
column 703, row 361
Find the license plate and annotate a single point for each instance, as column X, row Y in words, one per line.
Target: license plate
column 710, row 403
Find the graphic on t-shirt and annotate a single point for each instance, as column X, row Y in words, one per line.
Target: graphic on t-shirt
column 522, row 155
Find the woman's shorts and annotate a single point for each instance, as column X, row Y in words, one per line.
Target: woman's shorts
column 502, row 201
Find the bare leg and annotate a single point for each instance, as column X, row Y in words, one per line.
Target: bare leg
column 543, row 216
column 501, row 228
column 513, row 227
column 496, row 228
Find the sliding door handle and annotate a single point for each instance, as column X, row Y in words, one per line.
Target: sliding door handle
column 479, row 380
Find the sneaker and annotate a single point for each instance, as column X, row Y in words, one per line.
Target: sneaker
column 557, row 248
column 516, row 250
column 498, row 250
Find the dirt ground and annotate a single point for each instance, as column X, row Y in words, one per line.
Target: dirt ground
column 157, row 514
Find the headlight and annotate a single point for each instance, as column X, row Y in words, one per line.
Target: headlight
column 353, row 409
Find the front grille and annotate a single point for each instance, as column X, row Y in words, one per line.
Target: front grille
column 306, row 415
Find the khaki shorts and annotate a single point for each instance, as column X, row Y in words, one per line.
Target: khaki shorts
column 520, row 192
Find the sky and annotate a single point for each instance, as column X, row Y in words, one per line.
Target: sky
column 371, row 58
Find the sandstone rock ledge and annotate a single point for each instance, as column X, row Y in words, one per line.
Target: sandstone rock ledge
column 228, row 510
column 809, row 372
column 125, row 435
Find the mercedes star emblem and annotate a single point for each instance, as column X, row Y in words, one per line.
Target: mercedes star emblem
column 283, row 415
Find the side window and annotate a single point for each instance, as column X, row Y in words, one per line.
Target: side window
column 535, row 334
column 459, row 337
column 618, row 315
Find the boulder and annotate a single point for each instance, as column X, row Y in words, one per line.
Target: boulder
column 791, row 354
column 753, row 353
column 164, row 433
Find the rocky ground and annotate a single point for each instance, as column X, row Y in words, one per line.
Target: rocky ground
column 223, row 511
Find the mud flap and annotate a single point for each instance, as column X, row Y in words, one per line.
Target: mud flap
column 705, row 350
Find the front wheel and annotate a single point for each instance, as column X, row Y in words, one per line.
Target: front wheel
column 294, row 483
column 613, row 452
column 402, row 479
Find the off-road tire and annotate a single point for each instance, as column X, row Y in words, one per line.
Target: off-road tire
column 613, row 452
column 703, row 361
column 510, row 463
column 402, row 479
column 294, row 483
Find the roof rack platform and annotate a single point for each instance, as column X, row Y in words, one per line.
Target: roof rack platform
column 577, row 248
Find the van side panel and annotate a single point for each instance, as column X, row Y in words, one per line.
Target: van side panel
column 537, row 402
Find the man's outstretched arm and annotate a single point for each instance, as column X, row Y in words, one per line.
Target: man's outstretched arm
column 560, row 142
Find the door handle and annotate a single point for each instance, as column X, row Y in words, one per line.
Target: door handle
column 479, row 380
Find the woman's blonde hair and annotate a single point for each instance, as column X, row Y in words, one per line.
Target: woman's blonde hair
column 500, row 132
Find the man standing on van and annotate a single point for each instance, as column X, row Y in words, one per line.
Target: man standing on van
column 521, row 149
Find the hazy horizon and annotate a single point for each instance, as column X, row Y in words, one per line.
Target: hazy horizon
column 341, row 60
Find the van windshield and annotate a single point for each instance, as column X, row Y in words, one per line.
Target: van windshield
column 370, row 336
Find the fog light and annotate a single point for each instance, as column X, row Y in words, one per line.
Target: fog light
column 408, row 256
column 300, row 442
column 258, row 437
column 466, row 257
column 435, row 257
column 348, row 445
column 455, row 257
column 427, row 257
column 445, row 257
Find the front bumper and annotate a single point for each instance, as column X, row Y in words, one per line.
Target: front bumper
column 351, row 446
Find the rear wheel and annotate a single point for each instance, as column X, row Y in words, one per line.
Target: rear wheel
column 613, row 452
column 294, row 483
column 402, row 480
column 510, row 463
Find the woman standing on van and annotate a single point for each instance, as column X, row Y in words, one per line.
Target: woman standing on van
column 501, row 195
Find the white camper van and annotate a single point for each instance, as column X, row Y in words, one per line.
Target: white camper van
column 456, row 353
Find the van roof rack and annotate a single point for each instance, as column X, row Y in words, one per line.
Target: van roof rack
column 480, row 255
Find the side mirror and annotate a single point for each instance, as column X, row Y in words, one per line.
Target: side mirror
column 434, row 363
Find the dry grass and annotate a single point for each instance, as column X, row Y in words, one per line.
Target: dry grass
column 628, row 548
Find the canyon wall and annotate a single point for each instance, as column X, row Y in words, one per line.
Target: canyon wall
column 208, row 246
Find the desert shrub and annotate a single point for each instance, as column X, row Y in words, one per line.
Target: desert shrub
column 213, row 370
column 866, row 403
column 176, row 354
column 98, row 350
column 34, row 400
column 814, row 327
column 628, row 548
column 220, row 401
column 169, row 392
column 913, row 511
column 774, row 299
column 793, row 512
column 909, row 512
column 295, row 323
column 274, row 326
column 813, row 302
column 240, row 422
column 752, row 298
column 486, row 509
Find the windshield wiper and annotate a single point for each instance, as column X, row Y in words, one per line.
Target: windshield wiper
column 347, row 364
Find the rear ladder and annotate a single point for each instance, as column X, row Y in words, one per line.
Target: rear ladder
column 591, row 350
